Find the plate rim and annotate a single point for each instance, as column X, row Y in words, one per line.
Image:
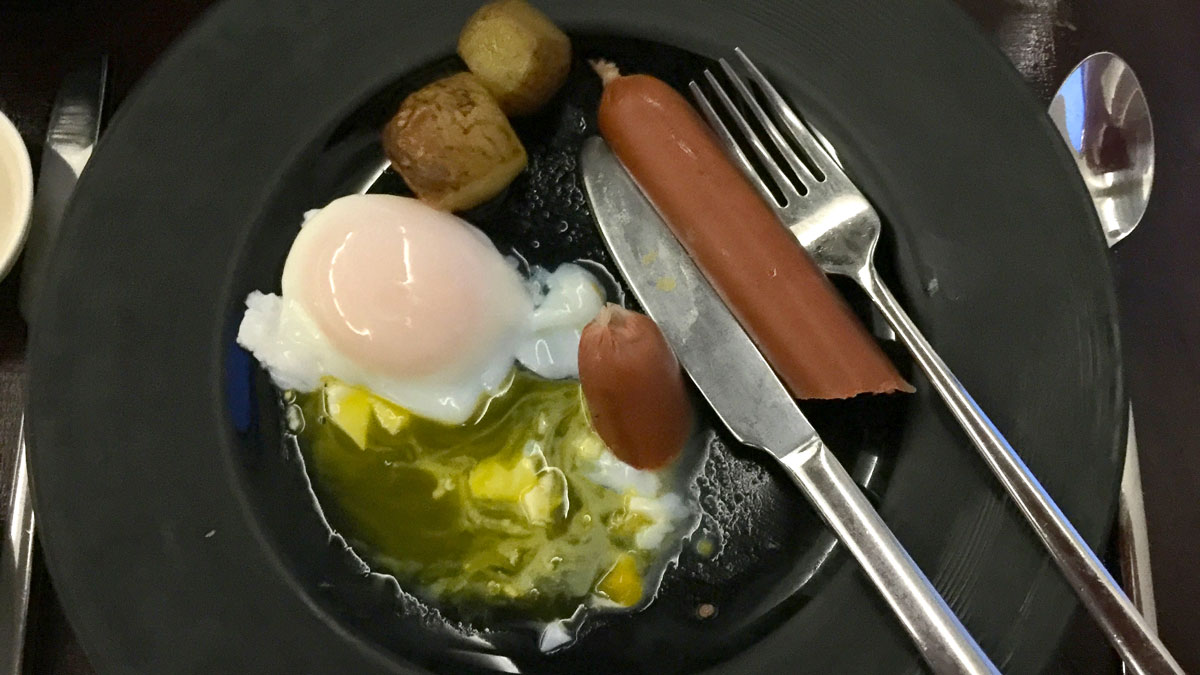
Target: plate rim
column 225, row 22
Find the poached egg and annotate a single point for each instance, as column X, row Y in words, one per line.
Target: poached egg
column 416, row 305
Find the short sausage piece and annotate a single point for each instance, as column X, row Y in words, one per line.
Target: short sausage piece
column 795, row 316
column 634, row 388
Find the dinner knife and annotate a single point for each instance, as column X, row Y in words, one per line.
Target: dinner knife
column 70, row 136
column 754, row 405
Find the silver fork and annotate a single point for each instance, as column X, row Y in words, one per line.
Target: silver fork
column 840, row 229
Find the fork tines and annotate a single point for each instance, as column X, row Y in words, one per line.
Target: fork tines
column 810, row 162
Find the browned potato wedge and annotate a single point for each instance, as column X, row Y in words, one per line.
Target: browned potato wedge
column 453, row 145
column 518, row 54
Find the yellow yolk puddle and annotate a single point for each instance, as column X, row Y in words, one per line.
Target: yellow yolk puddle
column 495, row 515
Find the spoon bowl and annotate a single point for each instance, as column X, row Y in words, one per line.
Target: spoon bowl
column 1101, row 112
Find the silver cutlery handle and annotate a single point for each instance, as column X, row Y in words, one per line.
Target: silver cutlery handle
column 943, row 641
column 16, row 565
column 1108, row 604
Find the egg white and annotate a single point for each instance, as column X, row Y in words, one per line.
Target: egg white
column 565, row 302
column 288, row 343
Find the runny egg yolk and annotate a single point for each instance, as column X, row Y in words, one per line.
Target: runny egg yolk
column 404, row 290
column 491, row 517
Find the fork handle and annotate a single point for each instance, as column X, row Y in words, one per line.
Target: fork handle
column 1125, row 628
column 942, row 640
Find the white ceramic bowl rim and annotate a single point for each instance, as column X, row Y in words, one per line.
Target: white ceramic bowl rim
column 16, row 193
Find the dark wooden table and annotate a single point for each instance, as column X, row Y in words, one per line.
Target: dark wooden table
column 1157, row 270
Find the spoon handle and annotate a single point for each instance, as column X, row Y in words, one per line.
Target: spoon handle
column 1109, row 606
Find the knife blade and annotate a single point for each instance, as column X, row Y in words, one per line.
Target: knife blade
column 72, row 133
column 753, row 404
column 712, row 347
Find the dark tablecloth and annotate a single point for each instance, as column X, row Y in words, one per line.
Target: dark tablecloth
column 1157, row 269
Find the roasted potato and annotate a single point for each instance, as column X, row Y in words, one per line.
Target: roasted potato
column 518, row 54
column 452, row 144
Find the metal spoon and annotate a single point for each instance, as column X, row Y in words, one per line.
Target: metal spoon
column 1101, row 112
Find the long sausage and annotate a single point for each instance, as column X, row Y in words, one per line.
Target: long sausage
column 793, row 313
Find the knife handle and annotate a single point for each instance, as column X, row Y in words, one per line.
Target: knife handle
column 943, row 641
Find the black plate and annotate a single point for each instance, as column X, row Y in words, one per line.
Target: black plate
column 177, row 529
